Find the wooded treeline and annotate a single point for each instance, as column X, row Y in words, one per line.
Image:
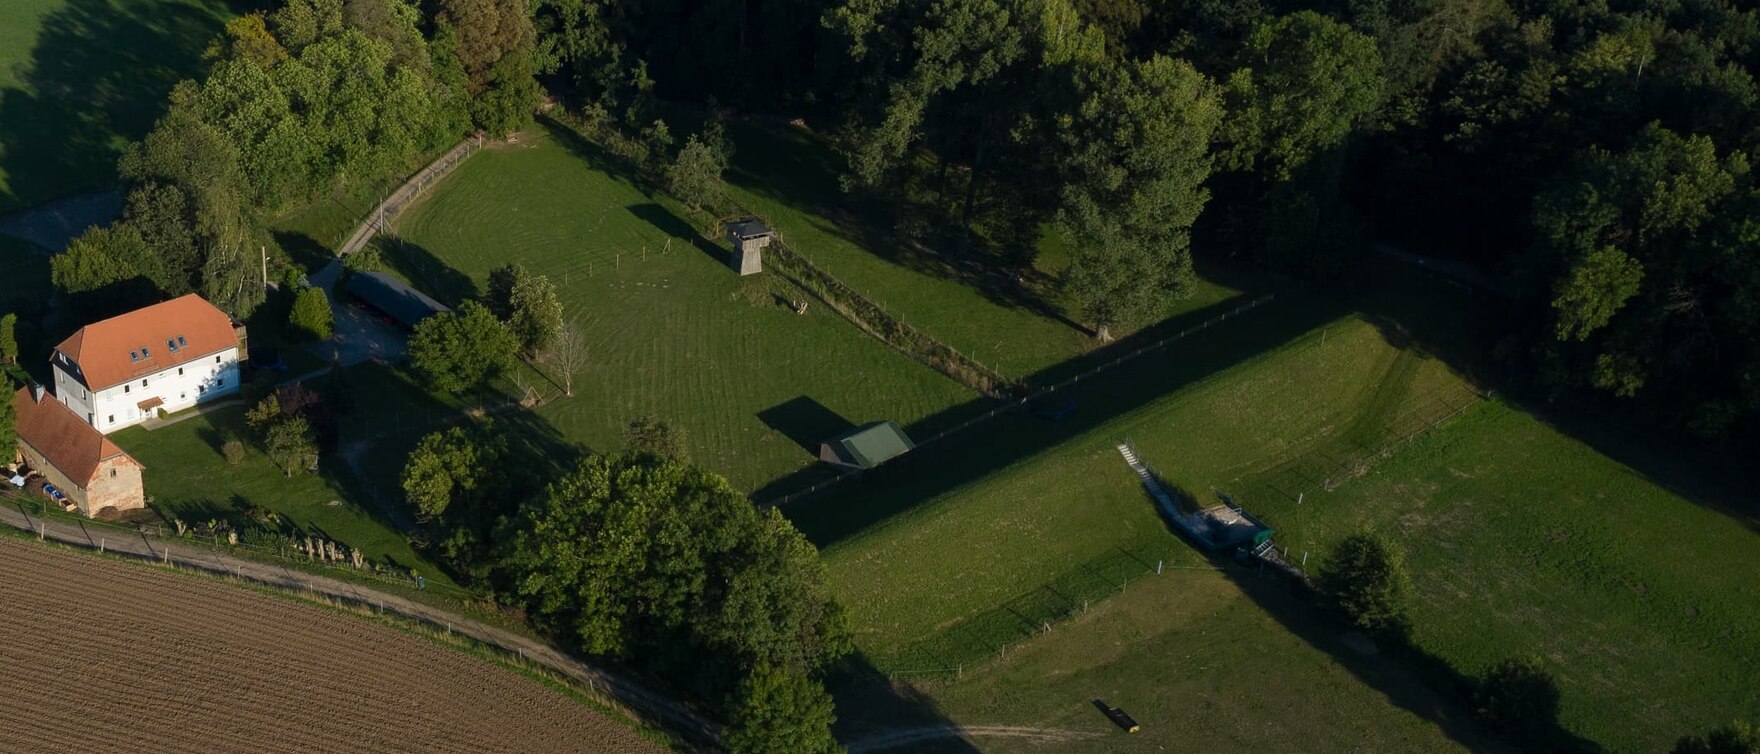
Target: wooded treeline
column 1592, row 156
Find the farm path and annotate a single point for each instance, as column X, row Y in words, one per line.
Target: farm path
column 647, row 703
column 911, row 736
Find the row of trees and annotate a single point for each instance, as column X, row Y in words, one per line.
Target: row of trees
column 647, row 559
column 316, row 95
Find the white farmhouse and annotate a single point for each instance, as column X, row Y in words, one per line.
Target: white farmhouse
column 118, row 372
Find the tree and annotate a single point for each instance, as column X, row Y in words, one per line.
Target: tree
column 444, row 467
column 461, row 350
column 1365, row 579
column 568, row 355
column 695, row 175
column 1137, row 155
column 651, row 436
column 108, row 270
column 292, row 445
column 263, row 415
column 1518, row 698
column 1316, row 79
column 9, row 343
column 641, row 552
column 488, row 31
column 527, row 303
column 1735, row 738
column 781, row 711
column 505, row 105
column 8, row 416
column 311, row 317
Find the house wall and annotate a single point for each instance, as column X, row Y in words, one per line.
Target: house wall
column 35, row 459
column 117, row 484
column 203, row 379
column 71, row 390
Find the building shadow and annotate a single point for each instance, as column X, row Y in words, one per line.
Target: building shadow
column 805, row 421
column 676, row 227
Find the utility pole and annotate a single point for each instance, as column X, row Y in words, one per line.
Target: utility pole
column 264, row 251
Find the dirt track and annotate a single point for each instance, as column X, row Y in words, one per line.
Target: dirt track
column 102, row 656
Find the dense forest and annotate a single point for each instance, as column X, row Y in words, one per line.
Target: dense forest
column 1591, row 156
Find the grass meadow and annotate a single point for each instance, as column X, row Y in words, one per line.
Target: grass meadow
column 1524, row 539
column 79, row 79
column 189, row 479
column 673, row 332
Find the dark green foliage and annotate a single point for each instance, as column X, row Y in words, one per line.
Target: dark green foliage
column 108, row 271
column 649, row 435
column 639, row 555
column 1365, row 580
column 445, row 466
column 1735, row 738
column 527, row 304
column 1518, row 698
column 311, row 318
column 8, row 415
column 292, row 445
column 779, row 711
column 461, row 350
column 9, row 341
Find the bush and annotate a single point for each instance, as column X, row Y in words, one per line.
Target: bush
column 1365, row 579
column 1735, row 738
column 233, row 450
column 311, row 318
column 781, row 712
column 1518, row 698
column 651, row 436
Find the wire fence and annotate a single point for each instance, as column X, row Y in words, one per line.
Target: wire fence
column 1020, row 404
column 995, row 632
column 1328, row 467
column 379, row 220
column 883, row 325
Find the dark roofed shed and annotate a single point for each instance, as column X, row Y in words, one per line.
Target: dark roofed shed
column 393, row 297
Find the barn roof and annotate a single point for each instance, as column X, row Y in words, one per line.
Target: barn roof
column 748, row 229
column 64, row 439
column 165, row 335
column 394, row 297
column 872, row 444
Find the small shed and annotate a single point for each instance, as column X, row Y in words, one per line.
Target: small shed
column 749, row 237
column 866, row 446
column 393, row 297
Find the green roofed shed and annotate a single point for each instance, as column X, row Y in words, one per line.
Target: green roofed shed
column 866, row 446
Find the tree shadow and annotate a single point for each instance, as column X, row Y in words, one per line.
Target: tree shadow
column 676, row 227
column 805, row 421
column 871, row 704
column 97, row 78
column 306, row 252
column 429, row 272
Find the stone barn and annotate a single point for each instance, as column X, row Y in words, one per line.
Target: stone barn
column 74, row 456
column 749, row 237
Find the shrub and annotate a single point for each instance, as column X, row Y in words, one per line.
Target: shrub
column 777, row 711
column 1518, row 698
column 311, row 318
column 233, row 450
column 1735, row 738
column 651, row 436
column 1365, row 579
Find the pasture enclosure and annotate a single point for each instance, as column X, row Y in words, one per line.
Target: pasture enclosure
column 110, row 656
column 673, row 332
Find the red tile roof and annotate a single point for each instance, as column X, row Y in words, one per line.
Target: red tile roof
column 64, row 439
column 103, row 349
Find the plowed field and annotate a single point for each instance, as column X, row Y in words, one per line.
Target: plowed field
column 102, row 656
